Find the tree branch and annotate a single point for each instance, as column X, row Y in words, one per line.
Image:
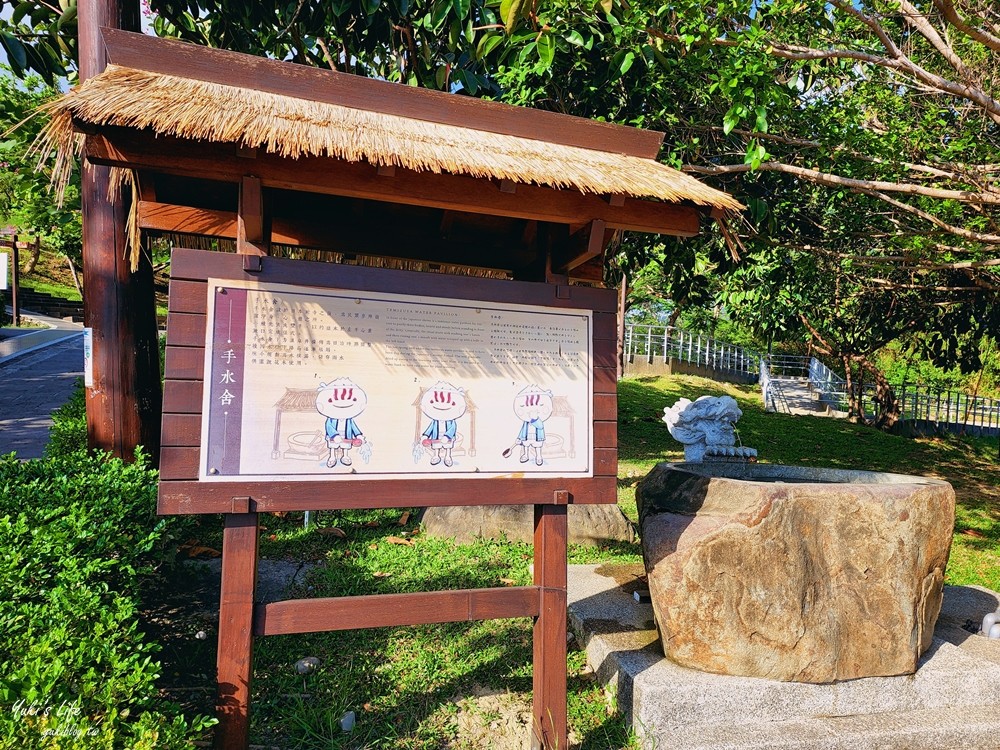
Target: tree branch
column 988, row 197
column 896, row 61
column 918, row 21
column 950, row 14
column 956, row 172
column 990, row 239
column 872, row 24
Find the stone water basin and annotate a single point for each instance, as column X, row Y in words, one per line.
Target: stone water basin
column 794, row 573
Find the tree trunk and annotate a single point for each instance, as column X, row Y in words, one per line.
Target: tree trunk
column 854, row 411
column 75, row 275
column 886, row 404
column 36, row 250
column 622, row 298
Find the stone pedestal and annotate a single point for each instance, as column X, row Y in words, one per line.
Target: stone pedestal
column 790, row 573
column 588, row 524
column 952, row 701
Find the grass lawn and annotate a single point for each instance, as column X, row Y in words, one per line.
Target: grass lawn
column 467, row 685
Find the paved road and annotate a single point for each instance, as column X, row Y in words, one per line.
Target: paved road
column 38, row 372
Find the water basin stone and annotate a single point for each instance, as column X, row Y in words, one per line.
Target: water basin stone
column 794, row 573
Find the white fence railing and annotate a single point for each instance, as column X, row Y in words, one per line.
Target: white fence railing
column 660, row 344
column 917, row 403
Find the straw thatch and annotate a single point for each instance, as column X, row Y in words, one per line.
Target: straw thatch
column 292, row 127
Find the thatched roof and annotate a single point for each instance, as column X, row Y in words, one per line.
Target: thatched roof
column 293, row 127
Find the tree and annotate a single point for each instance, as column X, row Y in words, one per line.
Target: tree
column 25, row 200
column 431, row 43
column 862, row 136
column 889, row 107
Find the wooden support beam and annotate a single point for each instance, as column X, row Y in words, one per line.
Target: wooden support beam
column 171, row 57
column 585, row 245
column 123, row 403
column 250, row 225
column 120, row 147
column 166, row 217
column 388, row 610
column 235, row 655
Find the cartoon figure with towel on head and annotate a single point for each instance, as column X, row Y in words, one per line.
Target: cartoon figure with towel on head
column 341, row 401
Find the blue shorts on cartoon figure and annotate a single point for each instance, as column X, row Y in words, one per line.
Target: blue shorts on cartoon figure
column 443, row 404
column 340, row 402
column 532, row 406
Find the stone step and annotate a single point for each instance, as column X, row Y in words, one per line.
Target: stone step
column 951, row 701
column 929, row 729
column 47, row 304
column 794, row 396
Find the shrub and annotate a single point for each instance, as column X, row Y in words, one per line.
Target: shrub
column 69, row 425
column 78, row 534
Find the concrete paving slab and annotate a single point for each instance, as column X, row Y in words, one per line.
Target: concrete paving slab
column 34, row 384
column 954, row 697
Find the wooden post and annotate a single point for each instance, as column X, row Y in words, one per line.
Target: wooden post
column 235, row 658
column 123, row 406
column 549, row 675
column 15, row 280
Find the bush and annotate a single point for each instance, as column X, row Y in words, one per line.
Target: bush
column 78, row 534
column 69, row 425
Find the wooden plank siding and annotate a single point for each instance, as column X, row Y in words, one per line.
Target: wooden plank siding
column 214, row 161
column 180, row 490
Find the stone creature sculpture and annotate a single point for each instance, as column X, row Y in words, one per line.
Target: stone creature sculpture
column 707, row 428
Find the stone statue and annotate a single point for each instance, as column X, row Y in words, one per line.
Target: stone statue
column 707, row 427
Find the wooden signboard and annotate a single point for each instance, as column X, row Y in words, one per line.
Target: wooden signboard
column 355, row 369
column 274, row 436
column 293, row 385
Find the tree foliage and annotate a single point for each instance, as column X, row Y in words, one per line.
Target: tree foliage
column 25, row 199
column 861, row 134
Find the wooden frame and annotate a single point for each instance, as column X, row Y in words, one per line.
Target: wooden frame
column 181, row 492
column 563, row 235
column 240, row 619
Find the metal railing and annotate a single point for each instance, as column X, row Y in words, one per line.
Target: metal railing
column 951, row 409
column 920, row 403
column 660, row 344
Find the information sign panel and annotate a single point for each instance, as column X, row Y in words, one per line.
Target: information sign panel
column 319, row 384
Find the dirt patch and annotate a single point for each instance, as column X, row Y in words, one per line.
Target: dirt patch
column 496, row 719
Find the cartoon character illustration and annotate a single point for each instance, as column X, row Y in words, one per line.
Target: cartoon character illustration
column 341, row 401
column 442, row 404
column 532, row 406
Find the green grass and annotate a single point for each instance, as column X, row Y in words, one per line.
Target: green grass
column 415, row 687
column 42, row 286
column 405, row 683
column 970, row 464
